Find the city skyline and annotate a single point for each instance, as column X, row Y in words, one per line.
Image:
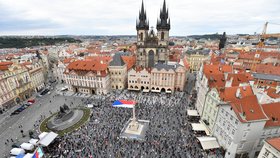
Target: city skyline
column 30, row 17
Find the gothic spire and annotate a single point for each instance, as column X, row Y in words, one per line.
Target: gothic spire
column 164, row 21
column 142, row 23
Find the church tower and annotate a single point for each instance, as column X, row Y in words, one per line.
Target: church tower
column 142, row 26
column 163, row 26
column 152, row 47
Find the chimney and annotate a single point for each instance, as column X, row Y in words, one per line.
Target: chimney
column 229, row 82
column 101, row 61
column 238, row 94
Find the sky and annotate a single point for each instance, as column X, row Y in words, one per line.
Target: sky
column 118, row 17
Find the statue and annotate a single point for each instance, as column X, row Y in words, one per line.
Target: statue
column 66, row 108
column 223, row 40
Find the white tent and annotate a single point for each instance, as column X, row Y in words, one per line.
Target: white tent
column 208, row 142
column 17, row 151
column 45, row 141
column 42, row 135
column 27, row 146
column 33, row 141
column 200, row 127
column 28, row 155
column 89, row 106
column 192, row 113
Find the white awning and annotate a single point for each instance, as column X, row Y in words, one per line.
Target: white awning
column 27, row 146
column 198, row 127
column 33, row 141
column 17, row 151
column 155, row 90
column 168, row 91
column 192, row 113
column 48, row 139
column 146, row 90
column 42, row 135
column 28, row 155
column 208, row 142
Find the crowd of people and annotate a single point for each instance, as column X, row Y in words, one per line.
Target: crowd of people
column 169, row 133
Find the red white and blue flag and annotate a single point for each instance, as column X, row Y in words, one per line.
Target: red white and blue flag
column 124, row 103
column 38, row 153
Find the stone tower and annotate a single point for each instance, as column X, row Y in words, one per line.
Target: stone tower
column 152, row 47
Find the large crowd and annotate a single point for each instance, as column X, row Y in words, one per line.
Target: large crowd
column 169, row 133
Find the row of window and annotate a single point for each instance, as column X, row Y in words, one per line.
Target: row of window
column 142, row 82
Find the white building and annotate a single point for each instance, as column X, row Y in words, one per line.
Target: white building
column 208, row 77
column 238, row 125
column 271, row 148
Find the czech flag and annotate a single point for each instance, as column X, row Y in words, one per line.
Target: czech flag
column 38, row 153
column 124, row 103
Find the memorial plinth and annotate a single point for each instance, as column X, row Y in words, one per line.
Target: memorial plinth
column 135, row 129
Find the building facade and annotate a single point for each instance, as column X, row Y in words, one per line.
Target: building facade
column 270, row 149
column 196, row 60
column 118, row 72
column 88, row 77
column 37, row 78
column 161, row 78
column 139, row 79
column 7, row 94
column 152, row 47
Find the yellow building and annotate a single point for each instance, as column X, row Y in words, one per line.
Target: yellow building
column 19, row 81
column 195, row 60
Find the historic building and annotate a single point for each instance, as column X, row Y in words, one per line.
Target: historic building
column 118, row 71
column 89, row 77
column 152, row 47
column 37, row 78
column 196, row 59
column 162, row 78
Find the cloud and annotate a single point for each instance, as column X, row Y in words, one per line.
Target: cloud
column 117, row 17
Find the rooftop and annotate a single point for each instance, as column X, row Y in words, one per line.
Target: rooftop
column 275, row 142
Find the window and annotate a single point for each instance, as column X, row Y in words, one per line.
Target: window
column 266, row 153
column 231, row 117
column 245, row 134
column 141, row 36
column 249, row 124
column 162, row 36
column 233, row 131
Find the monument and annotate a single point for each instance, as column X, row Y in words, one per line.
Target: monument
column 65, row 118
column 133, row 129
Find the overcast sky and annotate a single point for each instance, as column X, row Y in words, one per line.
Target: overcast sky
column 118, row 17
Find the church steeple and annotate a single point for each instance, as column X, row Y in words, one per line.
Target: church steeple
column 142, row 23
column 164, row 21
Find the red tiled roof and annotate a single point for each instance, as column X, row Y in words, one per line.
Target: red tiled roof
column 216, row 69
column 238, row 78
column 268, row 69
column 105, row 59
column 83, row 65
column 130, row 61
column 272, row 111
column 275, row 142
column 68, row 60
column 229, row 93
column 248, row 109
column 272, row 93
column 216, row 80
column 6, row 63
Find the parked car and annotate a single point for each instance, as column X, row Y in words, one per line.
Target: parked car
column 14, row 113
column 46, row 91
column 31, row 101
